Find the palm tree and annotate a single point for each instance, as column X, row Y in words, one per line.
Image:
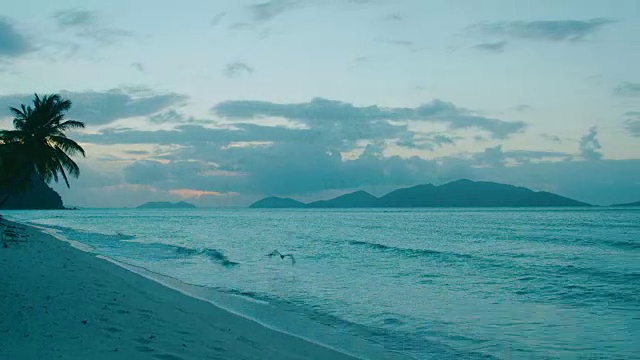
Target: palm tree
column 38, row 145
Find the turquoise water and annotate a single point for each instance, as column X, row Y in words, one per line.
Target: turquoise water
column 464, row 283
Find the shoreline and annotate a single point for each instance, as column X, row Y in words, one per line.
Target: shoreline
column 59, row 301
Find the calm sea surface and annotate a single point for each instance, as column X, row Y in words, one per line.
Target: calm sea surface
column 466, row 283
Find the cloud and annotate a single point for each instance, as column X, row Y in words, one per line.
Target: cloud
column 288, row 160
column 301, row 159
column 182, row 174
column 590, row 146
column 322, row 112
column 193, row 134
column 497, row 157
column 291, row 160
column 73, row 18
column 407, row 44
column 12, row 43
column 137, row 152
column 266, row 11
column 239, row 26
column 96, row 108
column 192, row 193
column 252, row 159
column 282, row 168
column 393, row 17
column 358, row 61
column 104, row 107
column 553, row 30
column 237, row 68
column 117, row 195
column 312, row 168
column 138, row 66
column 169, row 116
column 270, row 9
column 218, row 18
column 526, row 156
column 86, row 24
column 523, row 107
column 494, row 47
column 632, row 123
column 146, row 172
column 428, row 141
column 552, row 138
column 630, row 89
column 494, row 157
column 262, row 14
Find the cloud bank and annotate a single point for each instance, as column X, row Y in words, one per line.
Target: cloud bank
column 590, row 146
column 547, row 30
column 102, row 107
column 86, row 24
column 353, row 119
column 12, row 43
column 494, row 47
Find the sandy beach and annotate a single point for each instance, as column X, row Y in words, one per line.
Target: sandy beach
column 57, row 302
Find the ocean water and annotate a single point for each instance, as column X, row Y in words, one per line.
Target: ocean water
column 429, row 283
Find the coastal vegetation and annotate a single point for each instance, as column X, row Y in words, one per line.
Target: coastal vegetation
column 38, row 150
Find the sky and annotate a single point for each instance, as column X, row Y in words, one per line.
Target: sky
column 221, row 103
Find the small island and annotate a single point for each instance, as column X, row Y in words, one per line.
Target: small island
column 275, row 202
column 166, row 205
column 633, row 204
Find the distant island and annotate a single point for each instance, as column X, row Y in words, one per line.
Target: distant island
column 277, row 202
column 633, row 204
column 166, row 205
column 460, row 193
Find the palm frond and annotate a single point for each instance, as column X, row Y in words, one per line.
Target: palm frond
column 67, row 145
column 64, row 175
column 40, row 139
column 66, row 162
column 12, row 136
column 61, row 105
column 19, row 123
column 19, row 113
column 46, row 171
column 69, row 124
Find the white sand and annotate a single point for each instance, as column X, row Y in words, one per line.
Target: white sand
column 57, row 302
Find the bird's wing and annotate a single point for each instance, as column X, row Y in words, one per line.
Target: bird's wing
column 274, row 252
column 293, row 260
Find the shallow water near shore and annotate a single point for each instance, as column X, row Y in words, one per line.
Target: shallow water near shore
column 438, row 283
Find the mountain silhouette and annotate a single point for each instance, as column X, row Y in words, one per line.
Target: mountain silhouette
column 354, row 199
column 460, row 193
column 277, row 202
column 37, row 196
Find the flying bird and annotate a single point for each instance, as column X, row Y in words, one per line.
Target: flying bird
column 282, row 256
